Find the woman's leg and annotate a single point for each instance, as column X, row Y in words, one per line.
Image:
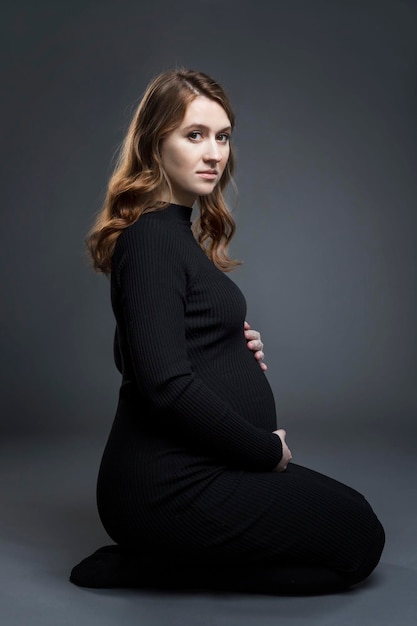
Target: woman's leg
column 295, row 532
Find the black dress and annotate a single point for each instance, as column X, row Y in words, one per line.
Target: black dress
column 187, row 474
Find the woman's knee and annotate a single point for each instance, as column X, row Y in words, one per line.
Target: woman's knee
column 371, row 558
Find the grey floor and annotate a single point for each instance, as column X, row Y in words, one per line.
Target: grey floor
column 49, row 522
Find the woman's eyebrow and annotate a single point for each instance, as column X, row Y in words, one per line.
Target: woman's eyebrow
column 205, row 127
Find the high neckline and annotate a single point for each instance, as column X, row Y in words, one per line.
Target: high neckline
column 179, row 211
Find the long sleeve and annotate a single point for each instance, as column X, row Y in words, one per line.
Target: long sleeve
column 152, row 280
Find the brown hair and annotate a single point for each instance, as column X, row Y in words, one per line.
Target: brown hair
column 139, row 175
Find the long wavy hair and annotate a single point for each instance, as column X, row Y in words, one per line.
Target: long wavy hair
column 139, row 176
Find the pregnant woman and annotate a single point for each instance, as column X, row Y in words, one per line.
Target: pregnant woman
column 196, row 485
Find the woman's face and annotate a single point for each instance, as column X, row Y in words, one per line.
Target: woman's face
column 195, row 154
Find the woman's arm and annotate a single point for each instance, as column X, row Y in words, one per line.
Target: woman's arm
column 150, row 272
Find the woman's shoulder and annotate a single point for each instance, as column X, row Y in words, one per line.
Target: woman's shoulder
column 159, row 223
column 142, row 227
column 147, row 227
column 155, row 235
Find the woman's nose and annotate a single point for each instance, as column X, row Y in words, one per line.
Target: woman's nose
column 213, row 152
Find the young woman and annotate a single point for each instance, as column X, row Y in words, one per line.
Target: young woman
column 195, row 486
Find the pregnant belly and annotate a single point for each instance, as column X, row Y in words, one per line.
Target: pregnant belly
column 244, row 386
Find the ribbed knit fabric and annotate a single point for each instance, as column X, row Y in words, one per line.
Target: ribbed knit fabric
column 187, row 474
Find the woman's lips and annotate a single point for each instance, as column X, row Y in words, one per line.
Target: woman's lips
column 208, row 175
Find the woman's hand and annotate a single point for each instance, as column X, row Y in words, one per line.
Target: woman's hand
column 254, row 343
column 286, row 452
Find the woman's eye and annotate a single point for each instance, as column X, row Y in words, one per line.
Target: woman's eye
column 223, row 137
column 195, row 135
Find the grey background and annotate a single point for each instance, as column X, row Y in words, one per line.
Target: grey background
column 325, row 95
